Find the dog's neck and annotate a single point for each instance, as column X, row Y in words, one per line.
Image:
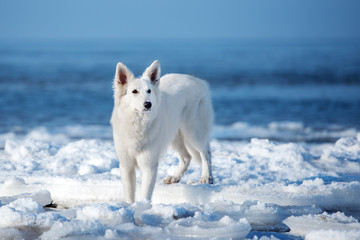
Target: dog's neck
column 136, row 123
column 141, row 121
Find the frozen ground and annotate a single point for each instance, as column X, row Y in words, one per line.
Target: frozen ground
column 263, row 189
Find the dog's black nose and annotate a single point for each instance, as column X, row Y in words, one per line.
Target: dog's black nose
column 147, row 105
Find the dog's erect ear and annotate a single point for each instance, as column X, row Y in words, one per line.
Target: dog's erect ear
column 153, row 72
column 122, row 75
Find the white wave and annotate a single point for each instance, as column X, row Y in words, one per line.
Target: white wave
column 282, row 131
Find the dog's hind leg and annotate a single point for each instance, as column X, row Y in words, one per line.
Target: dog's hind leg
column 206, row 174
column 184, row 157
column 197, row 130
column 204, row 158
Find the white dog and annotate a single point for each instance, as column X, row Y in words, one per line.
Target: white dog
column 150, row 113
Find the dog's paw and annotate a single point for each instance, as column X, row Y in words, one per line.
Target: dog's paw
column 171, row 180
column 208, row 180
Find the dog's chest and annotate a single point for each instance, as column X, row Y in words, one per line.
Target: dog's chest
column 138, row 135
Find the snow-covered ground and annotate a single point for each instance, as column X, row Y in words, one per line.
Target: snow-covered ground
column 263, row 189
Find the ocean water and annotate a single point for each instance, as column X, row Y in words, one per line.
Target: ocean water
column 282, row 90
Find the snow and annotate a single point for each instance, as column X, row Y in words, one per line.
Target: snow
column 291, row 189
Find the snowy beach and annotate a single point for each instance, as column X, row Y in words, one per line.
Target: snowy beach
column 285, row 145
column 261, row 185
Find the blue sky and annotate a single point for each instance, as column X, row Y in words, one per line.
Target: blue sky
column 244, row 19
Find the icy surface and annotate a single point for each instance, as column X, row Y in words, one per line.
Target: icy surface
column 292, row 189
column 325, row 226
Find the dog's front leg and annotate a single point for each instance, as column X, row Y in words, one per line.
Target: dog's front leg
column 148, row 166
column 128, row 180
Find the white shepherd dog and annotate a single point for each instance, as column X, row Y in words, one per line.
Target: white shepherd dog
column 150, row 113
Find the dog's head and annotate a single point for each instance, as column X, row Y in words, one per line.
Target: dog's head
column 137, row 94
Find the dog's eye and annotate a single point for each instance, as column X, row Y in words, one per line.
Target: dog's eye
column 149, row 91
column 135, row 91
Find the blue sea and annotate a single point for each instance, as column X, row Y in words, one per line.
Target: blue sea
column 302, row 91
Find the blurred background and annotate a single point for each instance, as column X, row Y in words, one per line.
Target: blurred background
column 284, row 69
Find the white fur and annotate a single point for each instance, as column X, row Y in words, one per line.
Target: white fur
column 181, row 115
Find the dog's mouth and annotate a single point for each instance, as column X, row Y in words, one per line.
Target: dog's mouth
column 143, row 111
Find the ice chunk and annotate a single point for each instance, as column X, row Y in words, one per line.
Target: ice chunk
column 43, row 197
column 12, row 233
column 25, row 212
column 61, row 229
column 302, row 225
column 26, row 205
column 201, row 226
column 344, row 157
column 107, row 214
column 334, row 234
